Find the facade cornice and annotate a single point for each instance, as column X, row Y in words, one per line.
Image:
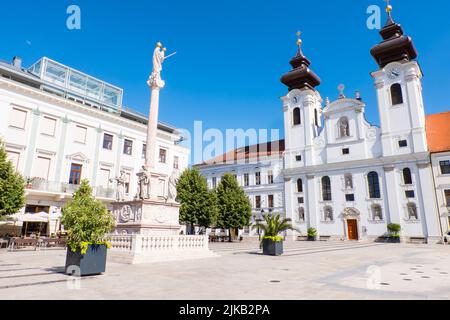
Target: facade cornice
column 363, row 163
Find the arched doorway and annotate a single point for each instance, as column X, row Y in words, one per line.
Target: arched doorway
column 351, row 217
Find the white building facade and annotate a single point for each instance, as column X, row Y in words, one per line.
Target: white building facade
column 259, row 173
column 347, row 178
column 60, row 126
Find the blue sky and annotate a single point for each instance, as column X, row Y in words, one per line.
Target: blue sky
column 231, row 54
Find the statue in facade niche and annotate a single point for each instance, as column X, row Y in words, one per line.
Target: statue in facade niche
column 344, row 128
column 143, row 184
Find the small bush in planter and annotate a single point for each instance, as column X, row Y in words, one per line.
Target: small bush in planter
column 272, row 226
column 312, row 234
column 87, row 222
column 394, row 232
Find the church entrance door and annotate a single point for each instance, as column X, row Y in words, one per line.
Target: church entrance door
column 352, row 227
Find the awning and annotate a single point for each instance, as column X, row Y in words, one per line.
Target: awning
column 33, row 217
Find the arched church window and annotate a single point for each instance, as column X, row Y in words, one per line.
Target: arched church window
column 316, row 118
column 377, row 213
column 374, row 185
column 326, row 189
column 407, row 178
column 412, row 211
column 328, row 213
column 299, row 186
column 297, row 117
column 348, row 178
column 344, row 128
column 301, row 214
column 396, row 94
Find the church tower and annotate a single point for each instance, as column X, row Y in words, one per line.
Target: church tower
column 399, row 92
column 302, row 110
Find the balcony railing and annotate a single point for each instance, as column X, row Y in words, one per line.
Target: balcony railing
column 67, row 188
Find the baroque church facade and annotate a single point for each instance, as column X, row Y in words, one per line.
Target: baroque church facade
column 349, row 179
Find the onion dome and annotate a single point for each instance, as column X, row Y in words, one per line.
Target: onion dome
column 395, row 45
column 301, row 76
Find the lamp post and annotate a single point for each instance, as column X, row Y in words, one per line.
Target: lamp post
column 259, row 221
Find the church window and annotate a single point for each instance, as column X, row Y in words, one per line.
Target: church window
column 326, row 189
column 298, row 158
column 407, row 178
column 350, row 197
column 396, row 94
column 374, row 185
column 403, row 143
column 297, row 117
column 345, row 151
column 410, row 194
column 299, row 186
column 316, row 118
column 344, row 128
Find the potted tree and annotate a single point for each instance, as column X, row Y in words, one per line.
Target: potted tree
column 87, row 222
column 394, row 232
column 312, row 234
column 272, row 226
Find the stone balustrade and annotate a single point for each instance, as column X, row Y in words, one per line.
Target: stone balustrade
column 151, row 248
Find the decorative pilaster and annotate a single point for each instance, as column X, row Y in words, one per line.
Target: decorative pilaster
column 32, row 143
column 98, row 141
column 61, row 149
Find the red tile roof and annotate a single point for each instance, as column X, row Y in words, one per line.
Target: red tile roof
column 252, row 152
column 438, row 132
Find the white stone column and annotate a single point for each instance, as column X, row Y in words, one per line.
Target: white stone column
column 152, row 128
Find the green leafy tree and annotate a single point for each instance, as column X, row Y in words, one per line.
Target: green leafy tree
column 273, row 225
column 234, row 205
column 86, row 220
column 12, row 193
column 198, row 205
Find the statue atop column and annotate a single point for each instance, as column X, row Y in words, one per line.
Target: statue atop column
column 158, row 59
column 121, row 180
column 143, row 184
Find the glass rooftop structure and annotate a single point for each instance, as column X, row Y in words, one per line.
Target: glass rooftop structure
column 75, row 85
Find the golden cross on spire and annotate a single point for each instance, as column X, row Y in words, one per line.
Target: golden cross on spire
column 299, row 41
column 388, row 7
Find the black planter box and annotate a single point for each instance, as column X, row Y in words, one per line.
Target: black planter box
column 272, row 248
column 312, row 238
column 91, row 263
column 394, row 240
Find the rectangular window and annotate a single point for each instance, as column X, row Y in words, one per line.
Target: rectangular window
column 214, row 182
column 41, row 168
column 447, row 197
column 345, row 151
column 14, row 158
column 246, row 179
column 270, row 200
column 18, row 118
column 410, row 194
column 403, row 143
column 48, row 126
column 258, row 178
column 104, row 177
column 128, row 147
column 258, row 202
column 80, row 134
column 162, row 155
column 107, row 141
column 300, row 200
column 445, row 167
column 298, row 158
column 144, row 151
column 176, row 162
column 75, row 174
column 349, row 197
column 270, row 177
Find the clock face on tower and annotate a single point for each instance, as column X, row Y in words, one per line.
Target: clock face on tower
column 393, row 73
